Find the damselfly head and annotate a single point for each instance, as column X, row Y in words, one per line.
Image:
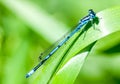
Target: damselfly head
column 92, row 13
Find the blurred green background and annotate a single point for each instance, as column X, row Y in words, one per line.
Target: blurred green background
column 28, row 27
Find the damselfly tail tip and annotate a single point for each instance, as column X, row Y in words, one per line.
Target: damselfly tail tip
column 29, row 74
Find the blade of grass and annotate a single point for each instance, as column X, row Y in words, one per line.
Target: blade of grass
column 108, row 23
column 62, row 75
column 50, row 70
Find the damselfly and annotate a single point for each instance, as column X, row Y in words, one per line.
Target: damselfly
column 82, row 22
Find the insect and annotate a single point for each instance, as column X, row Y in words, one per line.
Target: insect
column 91, row 15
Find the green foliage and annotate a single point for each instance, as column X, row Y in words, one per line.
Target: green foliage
column 27, row 29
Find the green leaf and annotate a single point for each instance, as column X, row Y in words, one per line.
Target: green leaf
column 64, row 66
column 68, row 73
